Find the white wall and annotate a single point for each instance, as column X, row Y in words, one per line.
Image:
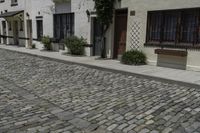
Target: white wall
column 141, row 7
column 82, row 23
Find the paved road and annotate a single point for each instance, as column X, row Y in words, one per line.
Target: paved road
column 39, row 95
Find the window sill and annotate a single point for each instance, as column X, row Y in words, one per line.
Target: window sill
column 169, row 45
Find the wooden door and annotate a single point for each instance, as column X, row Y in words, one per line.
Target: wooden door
column 120, row 32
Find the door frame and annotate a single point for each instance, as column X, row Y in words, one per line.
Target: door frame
column 39, row 26
column 94, row 21
column 123, row 11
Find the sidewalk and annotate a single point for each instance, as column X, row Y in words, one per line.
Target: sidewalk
column 189, row 77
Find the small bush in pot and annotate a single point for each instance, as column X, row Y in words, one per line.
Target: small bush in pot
column 133, row 57
column 75, row 45
column 46, row 42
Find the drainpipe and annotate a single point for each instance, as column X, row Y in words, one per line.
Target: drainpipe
column 27, row 24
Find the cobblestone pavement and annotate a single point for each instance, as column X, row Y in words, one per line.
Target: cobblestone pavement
column 39, row 95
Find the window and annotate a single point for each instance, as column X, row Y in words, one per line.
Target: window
column 14, row 3
column 1, row 1
column 155, row 26
column 189, row 27
column 174, row 28
column 169, row 26
column 21, row 25
column 10, row 25
column 63, row 25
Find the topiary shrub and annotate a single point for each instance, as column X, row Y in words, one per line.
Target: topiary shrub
column 133, row 57
column 46, row 42
column 75, row 45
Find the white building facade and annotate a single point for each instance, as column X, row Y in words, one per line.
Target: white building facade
column 24, row 20
column 168, row 32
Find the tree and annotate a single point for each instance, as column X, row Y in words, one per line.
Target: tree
column 104, row 11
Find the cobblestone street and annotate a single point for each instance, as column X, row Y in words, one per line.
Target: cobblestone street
column 40, row 95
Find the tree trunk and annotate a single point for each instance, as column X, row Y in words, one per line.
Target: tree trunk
column 103, row 42
column 103, row 47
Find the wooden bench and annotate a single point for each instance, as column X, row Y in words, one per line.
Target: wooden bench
column 171, row 52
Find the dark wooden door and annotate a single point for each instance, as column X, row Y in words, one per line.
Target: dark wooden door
column 120, row 32
column 39, row 29
column 97, row 37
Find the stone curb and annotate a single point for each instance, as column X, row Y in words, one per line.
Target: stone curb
column 170, row 81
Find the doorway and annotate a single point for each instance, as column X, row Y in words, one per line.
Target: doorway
column 121, row 16
column 16, row 33
column 4, row 32
column 39, row 29
column 29, row 33
column 97, row 32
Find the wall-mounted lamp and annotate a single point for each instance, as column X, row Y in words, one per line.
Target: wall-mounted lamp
column 88, row 12
column 27, row 14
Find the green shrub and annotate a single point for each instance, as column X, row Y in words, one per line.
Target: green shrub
column 134, row 57
column 75, row 45
column 33, row 46
column 46, row 42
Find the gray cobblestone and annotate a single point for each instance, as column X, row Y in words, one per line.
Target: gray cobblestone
column 40, row 95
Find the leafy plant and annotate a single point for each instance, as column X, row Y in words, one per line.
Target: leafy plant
column 47, row 42
column 134, row 57
column 104, row 11
column 33, row 46
column 75, row 45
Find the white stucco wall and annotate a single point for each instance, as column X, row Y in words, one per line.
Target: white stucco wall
column 82, row 23
column 141, row 7
column 44, row 8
